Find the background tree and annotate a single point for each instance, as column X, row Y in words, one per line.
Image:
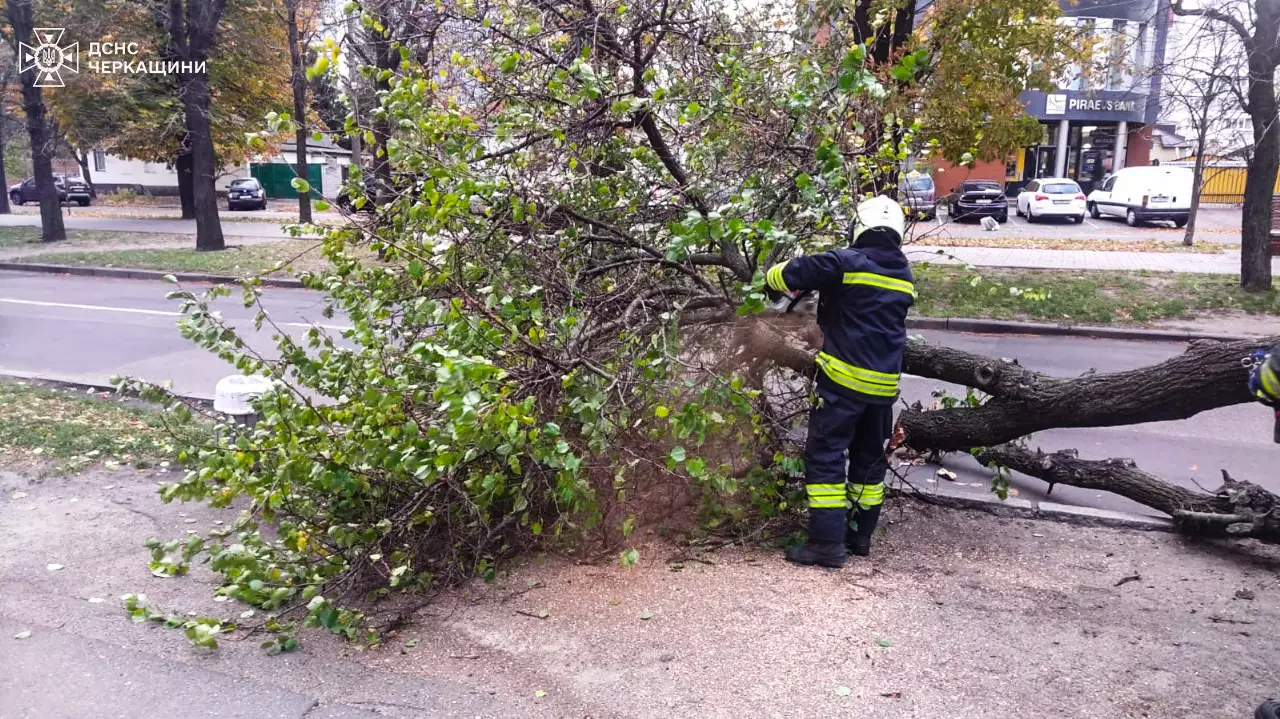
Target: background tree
column 1256, row 24
column 301, row 18
column 1202, row 83
column 10, row 124
column 40, row 128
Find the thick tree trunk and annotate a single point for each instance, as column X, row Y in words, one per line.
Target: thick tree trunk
column 186, row 184
column 1260, row 182
column 1208, row 375
column 195, row 98
column 22, row 20
column 299, row 107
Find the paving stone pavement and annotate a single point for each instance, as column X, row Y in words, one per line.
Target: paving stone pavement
column 1227, row 263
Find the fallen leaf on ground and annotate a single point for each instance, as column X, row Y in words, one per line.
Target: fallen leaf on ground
column 22, row 634
column 885, row 643
column 96, row 600
column 18, row 495
column 540, row 693
column 646, row 615
column 410, row 643
column 843, row 691
column 53, row 567
column 947, row 474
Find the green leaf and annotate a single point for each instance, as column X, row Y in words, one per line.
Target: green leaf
column 300, row 185
column 661, row 411
column 630, row 557
column 884, row 643
column 646, row 615
column 677, row 454
column 843, row 691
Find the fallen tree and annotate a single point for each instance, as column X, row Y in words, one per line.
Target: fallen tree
column 1022, row 401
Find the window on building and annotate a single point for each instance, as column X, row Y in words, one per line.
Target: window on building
column 99, row 161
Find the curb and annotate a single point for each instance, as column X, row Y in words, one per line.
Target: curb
column 1027, row 509
column 128, row 274
column 1007, row 327
column 82, row 386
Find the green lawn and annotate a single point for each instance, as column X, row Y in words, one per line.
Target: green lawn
column 1079, row 296
column 70, row 430
column 237, row 260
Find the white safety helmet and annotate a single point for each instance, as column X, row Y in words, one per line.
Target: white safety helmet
column 879, row 211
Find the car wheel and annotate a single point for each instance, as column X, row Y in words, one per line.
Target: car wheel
column 1031, row 216
column 15, row 197
column 1131, row 218
column 1017, row 209
column 1093, row 211
column 1079, row 219
column 1180, row 222
column 83, row 203
column 1003, row 217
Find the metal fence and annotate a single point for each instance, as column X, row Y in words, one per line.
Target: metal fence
column 1223, row 184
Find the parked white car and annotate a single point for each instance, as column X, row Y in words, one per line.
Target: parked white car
column 1144, row 194
column 1051, row 197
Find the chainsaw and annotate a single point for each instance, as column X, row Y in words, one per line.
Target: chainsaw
column 1264, row 381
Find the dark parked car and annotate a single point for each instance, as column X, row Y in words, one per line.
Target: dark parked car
column 246, row 194
column 921, row 197
column 973, row 199
column 70, row 189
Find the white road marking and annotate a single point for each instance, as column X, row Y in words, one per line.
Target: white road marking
column 159, row 313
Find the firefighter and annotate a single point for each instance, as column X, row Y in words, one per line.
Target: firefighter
column 863, row 294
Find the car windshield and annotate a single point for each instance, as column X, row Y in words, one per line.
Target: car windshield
column 978, row 186
column 920, row 183
column 245, row 184
column 1062, row 188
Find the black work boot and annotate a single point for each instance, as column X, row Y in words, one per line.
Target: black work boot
column 823, row 554
column 863, row 521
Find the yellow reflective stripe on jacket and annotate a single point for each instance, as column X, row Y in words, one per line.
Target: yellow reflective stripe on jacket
column 826, row 496
column 1270, row 383
column 774, row 278
column 859, row 379
column 884, row 282
column 867, row 495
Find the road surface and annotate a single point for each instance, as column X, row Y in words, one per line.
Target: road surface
column 267, row 228
column 88, row 329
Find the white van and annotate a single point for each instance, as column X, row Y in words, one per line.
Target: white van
column 1144, row 194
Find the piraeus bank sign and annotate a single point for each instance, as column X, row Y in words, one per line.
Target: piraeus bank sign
column 1086, row 106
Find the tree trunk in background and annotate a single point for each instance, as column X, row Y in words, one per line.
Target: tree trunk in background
column 299, row 75
column 4, row 179
column 1197, row 180
column 195, row 100
column 1260, row 182
column 386, row 59
column 82, row 159
column 22, row 20
column 186, row 191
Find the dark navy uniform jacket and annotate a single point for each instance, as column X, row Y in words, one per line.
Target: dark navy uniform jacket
column 864, row 293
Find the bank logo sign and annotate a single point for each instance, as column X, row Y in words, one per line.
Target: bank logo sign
column 49, row 57
column 1055, row 104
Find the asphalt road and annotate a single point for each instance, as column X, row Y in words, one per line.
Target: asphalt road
column 88, row 329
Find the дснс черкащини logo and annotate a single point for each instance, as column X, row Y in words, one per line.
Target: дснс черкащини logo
column 48, row 58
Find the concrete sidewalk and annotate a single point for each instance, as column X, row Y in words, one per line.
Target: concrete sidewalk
column 1227, row 263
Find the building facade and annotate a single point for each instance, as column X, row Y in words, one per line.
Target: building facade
column 1099, row 119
